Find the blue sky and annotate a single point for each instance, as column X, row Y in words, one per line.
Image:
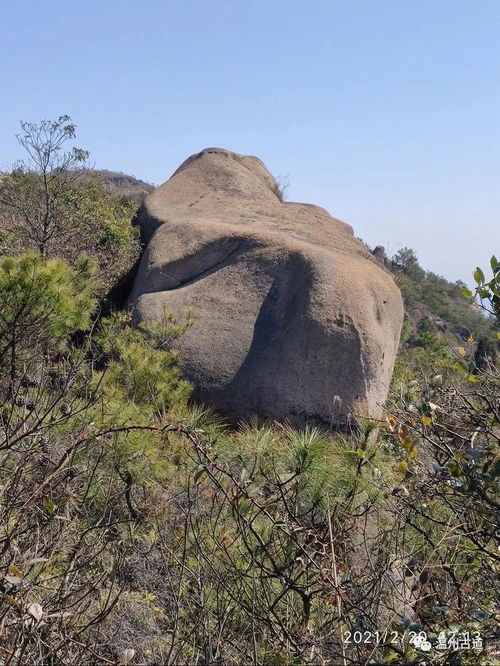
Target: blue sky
column 386, row 112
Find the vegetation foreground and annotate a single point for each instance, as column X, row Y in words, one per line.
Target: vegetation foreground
column 137, row 528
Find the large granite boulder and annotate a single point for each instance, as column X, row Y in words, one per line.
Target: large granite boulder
column 294, row 319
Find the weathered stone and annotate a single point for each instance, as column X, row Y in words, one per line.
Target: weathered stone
column 380, row 255
column 294, row 319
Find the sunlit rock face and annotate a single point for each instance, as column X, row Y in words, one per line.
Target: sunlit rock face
column 294, row 319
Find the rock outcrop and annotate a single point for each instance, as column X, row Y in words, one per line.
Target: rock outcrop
column 294, row 319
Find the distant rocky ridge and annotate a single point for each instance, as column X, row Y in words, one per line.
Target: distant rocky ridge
column 294, row 318
column 116, row 182
column 121, row 183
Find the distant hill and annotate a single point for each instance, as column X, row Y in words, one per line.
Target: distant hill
column 117, row 183
column 121, row 183
column 432, row 303
column 439, row 320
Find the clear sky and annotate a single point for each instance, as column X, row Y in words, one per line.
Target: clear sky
column 385, row 112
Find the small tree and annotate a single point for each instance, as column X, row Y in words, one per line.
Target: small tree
column 41, row 303
column 35, row 197
column 52, row 204
column 78, row 447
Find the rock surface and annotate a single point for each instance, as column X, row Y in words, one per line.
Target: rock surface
column 294, row 319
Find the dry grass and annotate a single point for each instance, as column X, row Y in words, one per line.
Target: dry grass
column 279, row 187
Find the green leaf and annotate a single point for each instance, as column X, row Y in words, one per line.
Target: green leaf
column 478, row 276
column 50, row 506
column 361, row 453
column 403, row 466
column 495, row 264
column 15, row 571
column 466, row 292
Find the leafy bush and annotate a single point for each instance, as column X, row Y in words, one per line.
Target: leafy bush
column 74, row 439
column 41, row 304
column 49, row 204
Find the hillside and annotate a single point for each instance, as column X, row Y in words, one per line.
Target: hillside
column 432, row 303
column 138, row 526
column 121, row 183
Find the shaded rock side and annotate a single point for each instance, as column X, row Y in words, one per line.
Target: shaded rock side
column 294, row 319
